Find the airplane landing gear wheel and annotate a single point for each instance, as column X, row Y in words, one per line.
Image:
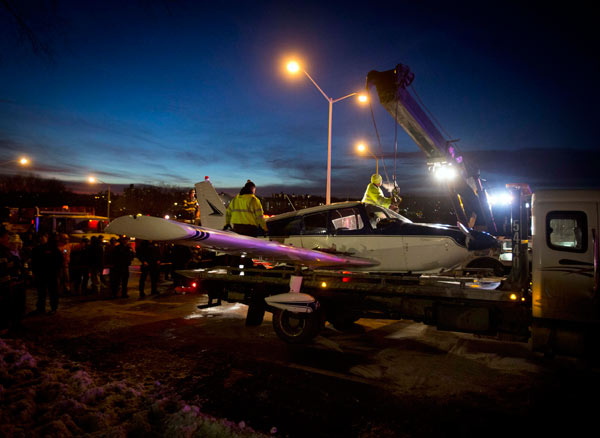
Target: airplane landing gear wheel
column 296, row 328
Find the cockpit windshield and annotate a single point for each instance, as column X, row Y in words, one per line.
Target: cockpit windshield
column 377, row 214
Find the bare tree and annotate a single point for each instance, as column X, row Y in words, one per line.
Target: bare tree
column 35, row 24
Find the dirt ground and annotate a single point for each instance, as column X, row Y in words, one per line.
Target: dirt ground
column 161, row 366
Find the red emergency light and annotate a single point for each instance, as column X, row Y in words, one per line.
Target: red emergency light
column 345, row 279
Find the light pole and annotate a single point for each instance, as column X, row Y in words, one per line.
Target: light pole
column 362, row 148
column 293, row 67
column 92, row 180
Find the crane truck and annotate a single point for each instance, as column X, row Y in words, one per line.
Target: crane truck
column 550, row 299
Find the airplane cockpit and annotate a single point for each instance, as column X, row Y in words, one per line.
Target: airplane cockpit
column 380, row 217
column 346, row 219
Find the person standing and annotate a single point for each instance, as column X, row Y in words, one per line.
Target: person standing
column 12, row 282
column 46, row 261
column 122, row 255
column 245, row 216
column 190, row 205
column 374, row 194
column 65, row 279
column 94, row 256
column 166, row 260
column 5, row 279
column 109, row 263
column 78, row 267
column 245, row 213
column 18, row 275
column 148, row 254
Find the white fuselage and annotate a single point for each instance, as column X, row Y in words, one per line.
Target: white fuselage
column 419, row 254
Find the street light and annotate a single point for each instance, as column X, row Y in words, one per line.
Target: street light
column 23, row 161
column 293, row 67
column 93, row 180
column 361, row 147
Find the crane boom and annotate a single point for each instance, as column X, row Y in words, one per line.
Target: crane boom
column 467, row 195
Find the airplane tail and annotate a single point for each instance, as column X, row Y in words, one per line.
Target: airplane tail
column 210, row 205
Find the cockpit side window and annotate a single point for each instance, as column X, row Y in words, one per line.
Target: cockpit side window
column 346, row 220
column 285, row 227
column 315, row 223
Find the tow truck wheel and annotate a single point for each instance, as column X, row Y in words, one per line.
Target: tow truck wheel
column 296, row 328
column 487, row 262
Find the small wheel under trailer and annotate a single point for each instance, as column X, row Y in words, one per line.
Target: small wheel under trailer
column 297, row 328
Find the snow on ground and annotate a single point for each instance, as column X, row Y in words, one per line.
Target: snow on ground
column 49, row 396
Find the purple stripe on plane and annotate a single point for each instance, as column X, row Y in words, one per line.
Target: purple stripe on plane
column 153, row 228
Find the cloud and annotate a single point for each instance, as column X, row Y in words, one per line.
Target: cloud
column 285, row 155
column 540, row 168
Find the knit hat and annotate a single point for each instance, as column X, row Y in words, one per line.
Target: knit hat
column 376, row 178
column 247, row 189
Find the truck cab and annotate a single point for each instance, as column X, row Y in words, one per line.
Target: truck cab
column 565, row 305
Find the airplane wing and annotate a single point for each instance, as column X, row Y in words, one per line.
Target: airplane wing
column 157, row 229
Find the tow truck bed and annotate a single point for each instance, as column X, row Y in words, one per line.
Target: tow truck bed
column 457, row 303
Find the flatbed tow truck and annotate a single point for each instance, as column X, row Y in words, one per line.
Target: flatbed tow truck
column 550, row 298
column 554, row 306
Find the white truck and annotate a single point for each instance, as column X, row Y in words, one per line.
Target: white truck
column 565, row 303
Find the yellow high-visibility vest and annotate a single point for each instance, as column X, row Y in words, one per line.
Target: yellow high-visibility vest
column 374, row 195
column 247, row 210
column 191, row 207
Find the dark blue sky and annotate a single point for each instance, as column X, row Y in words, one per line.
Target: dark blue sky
column 166, row 92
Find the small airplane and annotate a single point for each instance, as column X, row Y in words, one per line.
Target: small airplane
column 347, row 235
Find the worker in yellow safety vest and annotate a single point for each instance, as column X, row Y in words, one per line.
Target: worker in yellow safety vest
column 190, row 205
column 245, row 213
column 374, row 194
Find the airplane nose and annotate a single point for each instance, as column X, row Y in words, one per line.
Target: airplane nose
column 482, row 240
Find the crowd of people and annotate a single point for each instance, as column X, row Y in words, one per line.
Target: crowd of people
column 53, row 266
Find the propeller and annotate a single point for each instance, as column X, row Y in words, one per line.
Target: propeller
column 468, row 235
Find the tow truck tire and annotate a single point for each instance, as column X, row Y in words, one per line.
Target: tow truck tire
column 487, row 262
column 296, row 328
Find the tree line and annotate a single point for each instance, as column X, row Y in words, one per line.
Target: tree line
column 27, row 191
